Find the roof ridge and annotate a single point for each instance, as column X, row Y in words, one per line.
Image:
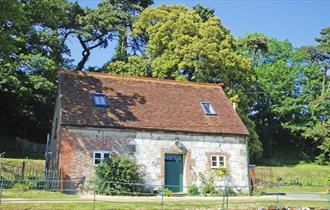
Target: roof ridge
column 139, row 78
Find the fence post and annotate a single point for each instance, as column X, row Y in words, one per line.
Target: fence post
column 1, row 180
column 162, row 198
column 23, row 169
column 226, row 194
column 328, row 198
column 61, row 180
column 277, row 202
column 94, row 199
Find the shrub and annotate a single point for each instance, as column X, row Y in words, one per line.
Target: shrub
column 209, row 189
column 193, row 190
column 24, row 186
column 167, row 192
column 208, row 179
column 119, row 175
column 231, row 191
column 321, row 160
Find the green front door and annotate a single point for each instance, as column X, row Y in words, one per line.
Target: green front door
column 174, row 172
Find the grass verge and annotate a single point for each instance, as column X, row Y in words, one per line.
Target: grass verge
column 175, row 205
column 36, row 194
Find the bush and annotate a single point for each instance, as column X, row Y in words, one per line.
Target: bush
column 231, row 191
column 24, row 186
column 321, row 160
column 167, row 192
column 208, row 179
column 119, row 175
column 193, row 190
column 209, row 189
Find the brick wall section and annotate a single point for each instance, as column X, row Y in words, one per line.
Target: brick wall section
column 149, row 149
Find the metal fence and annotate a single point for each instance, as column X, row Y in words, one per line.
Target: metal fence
column 122, row 195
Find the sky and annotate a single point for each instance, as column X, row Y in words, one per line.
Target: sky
column 299, row 21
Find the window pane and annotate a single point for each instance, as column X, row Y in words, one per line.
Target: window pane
column 214, row 161
column 208, row 109
column 97, row 99
column 106, row 155
column 221, row 158
column 97, row 161
column 97, row 155
column 102, row 100
column 221, row 161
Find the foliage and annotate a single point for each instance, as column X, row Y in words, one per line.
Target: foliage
column 191, row 44
column 119, row 175
column 208, row 180
column 136, row 66
column 167, row 192
column 31, row 52
column 24, row 186
column 321, row 159
column 287, row 88
column 193, row 189
column 204, row 13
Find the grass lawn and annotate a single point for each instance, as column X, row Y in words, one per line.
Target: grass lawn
column 291, row 189
column 12, row 168
column 36, row 194
column 18, row 162
column 200, row 204
column 306, row 172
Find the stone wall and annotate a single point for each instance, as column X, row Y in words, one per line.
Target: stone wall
column 149, row 149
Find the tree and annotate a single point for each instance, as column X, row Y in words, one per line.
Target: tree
column 318, row 126
column 98, row 27
column 288, row 88
column 203, row 12
column 31, row 53
column 179, row 44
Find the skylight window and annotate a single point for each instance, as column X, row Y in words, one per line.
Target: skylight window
column 99, row 99
column 207, row 108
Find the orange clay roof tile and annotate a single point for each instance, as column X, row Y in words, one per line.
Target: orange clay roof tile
column 146, row 103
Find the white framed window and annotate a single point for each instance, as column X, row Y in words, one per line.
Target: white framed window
column 218, row 161
column 208, row 108
column 99, row 156
column 100, row 100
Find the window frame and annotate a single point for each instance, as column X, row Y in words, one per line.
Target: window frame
column 102, row 152
column 218, row 161
column 95, row 94
column 212, row 113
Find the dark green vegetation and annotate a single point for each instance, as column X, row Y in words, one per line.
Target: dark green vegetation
column 282, row 92
column 115, row 175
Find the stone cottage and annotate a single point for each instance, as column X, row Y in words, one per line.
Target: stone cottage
column 175, row 130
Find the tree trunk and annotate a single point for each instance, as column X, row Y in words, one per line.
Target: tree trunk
column 86, row 53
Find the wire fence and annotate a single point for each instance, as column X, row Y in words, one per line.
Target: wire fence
column 93, row 194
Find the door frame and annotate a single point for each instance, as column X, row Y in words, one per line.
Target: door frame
column 181, row 186
column 187, row 165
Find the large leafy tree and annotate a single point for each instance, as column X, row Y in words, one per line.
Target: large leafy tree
column 290, row 92
column 111, row 20
column 31, row 52
column 191, row 44
column 318, row 126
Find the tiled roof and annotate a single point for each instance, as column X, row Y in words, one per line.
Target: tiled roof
column 145, row 103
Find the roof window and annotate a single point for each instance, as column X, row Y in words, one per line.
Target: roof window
column 99, row 100
column 208, row 108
